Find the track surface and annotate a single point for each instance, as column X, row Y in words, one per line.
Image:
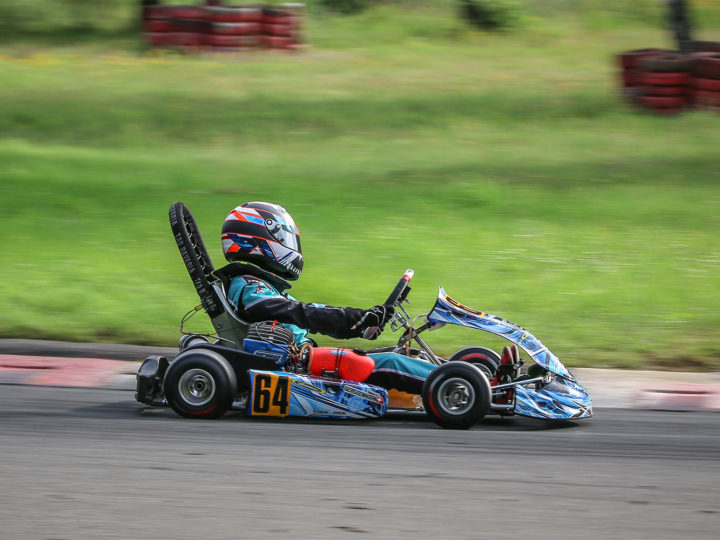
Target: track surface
column 88, row 463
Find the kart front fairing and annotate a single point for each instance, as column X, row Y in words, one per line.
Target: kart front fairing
column 562, row 398
column 449, row 311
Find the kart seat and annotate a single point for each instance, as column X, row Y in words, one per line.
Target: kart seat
column 228, row 324
column 221, row 284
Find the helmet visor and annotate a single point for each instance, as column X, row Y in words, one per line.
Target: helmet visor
column 287, row 236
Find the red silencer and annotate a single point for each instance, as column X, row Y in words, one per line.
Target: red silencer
column 349, row 365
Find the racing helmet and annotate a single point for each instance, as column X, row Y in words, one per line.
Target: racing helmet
column 265, row 235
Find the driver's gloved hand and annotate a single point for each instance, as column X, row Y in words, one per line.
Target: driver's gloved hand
column 372, row 322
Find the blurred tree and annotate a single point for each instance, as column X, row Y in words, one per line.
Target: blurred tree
column 486, row 14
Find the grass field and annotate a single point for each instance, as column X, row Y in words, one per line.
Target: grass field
column 501, row 166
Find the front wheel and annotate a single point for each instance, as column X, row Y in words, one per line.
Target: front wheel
column 456, row 395
column 200, row 383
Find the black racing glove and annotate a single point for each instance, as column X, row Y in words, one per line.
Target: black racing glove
column 372, row 322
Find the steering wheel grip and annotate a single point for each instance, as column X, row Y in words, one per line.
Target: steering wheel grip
column 400, row 287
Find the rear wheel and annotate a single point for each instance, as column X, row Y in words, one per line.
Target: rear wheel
column 189, row 340
column 486, row 359
column 456, row 395
column 200, row 384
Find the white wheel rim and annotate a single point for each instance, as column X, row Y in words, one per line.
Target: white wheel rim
column 196, row 387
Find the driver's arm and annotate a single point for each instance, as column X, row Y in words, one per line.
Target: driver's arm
column 336, row 322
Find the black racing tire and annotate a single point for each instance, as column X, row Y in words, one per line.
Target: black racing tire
column 667, row 63
column 189, row 340
column 200, row 383
column 708, row 67
column 484, row 358
column 195, row 256
column 630, row 59
column 456, row 395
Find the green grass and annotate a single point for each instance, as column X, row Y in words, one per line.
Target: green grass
column 501, row 166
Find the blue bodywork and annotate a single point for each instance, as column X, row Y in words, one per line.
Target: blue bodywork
column 563, row 398
column 279, row 393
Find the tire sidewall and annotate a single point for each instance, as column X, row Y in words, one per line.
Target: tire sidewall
column 217, row 367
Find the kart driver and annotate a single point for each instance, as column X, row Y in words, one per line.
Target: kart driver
column 265, row 235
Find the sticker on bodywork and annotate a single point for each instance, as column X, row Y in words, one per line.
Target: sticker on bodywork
column 270, row 394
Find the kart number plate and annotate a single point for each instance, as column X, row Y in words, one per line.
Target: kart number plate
column 270, row 395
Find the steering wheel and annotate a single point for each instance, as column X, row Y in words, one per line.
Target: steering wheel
column 399, row 290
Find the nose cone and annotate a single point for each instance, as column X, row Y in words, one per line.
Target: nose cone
column 562, row 399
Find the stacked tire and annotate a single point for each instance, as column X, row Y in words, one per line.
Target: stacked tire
column 630, row 80
column 665, row 82
column 223, row 28
column 281, row 27
column 705, row 46
column 182, row 27
column 234, row 28
column 706, row 82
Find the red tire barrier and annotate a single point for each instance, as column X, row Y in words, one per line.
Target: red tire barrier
column 238, row 29
column 630, row 77
column 666, row 63
column 279, row 19
column 708, row 67
column 709, row 85
column 278, row 29
column 227, row 27
column 278, row 42
column 664, row 79
column 188, row 38
column 655, row 90
column 237, row 14
column 221, row 40
column 629, row 59
column 190, row 25
column 158, row 25
column 164, row 39
column 711, row 99
column 664, row 102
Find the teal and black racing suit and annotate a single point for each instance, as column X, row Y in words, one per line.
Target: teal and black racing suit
column 261, row 296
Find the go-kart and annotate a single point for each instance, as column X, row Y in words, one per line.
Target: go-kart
column 256, row 368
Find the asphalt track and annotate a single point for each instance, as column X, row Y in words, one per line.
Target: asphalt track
column 90, row 463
